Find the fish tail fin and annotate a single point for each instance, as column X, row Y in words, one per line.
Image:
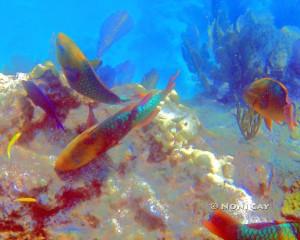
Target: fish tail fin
column 290, row 115
column 222, row 225
column 171, row 83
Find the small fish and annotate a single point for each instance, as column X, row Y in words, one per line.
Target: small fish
column 150, row 79
column 41, row 100
column 226, row 227
column 269, row 98
column 114, row 27
column 26, row 200
column 80, row 73
column 98, row 139
column 12, row 141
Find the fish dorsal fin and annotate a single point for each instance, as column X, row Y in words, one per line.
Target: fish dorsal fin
column 268, row 122
column 171, row 83
column 259, row 226
column 222, row 224
column 148, row 119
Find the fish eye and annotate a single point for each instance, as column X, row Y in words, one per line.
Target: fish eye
column 61, row 48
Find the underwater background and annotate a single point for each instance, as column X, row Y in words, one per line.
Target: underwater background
column 139, row 119
column 155, row 40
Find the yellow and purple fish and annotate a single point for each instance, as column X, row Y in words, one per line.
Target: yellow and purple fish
column 41, row 100
column 226, row 227
column 81, row 74
column 98, row 139
column 12, row 141
column 270, row 99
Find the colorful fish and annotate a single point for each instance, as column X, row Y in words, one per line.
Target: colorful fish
column 226, row 227
column 270, row 99
column 101, row 137
column 26, row 200
column 41, row 100
column 114, row 27
column 13, row 140
column 80, row 73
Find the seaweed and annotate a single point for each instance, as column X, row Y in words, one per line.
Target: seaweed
column 248, row 120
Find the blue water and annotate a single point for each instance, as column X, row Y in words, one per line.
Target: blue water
column 28, row 30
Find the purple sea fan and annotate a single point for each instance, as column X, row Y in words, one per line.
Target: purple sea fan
column 295, row 58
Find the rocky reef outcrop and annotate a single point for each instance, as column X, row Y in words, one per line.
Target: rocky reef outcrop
column 158, row 182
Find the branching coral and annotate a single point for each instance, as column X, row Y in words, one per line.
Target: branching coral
column 248, row 120
column 291, row 205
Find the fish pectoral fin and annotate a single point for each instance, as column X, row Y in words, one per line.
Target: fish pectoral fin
column 290, row 116
column 268, row 122
column 148, row 120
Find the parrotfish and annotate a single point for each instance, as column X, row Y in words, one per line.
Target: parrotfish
column 270, row 99
column 226, row 227
column 113, row 28
column 97, row 139
column 81, row 74
column 41, row 100
column 12, row 141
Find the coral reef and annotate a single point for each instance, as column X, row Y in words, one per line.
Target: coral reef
column 123, row 193
column 291, row 205
column 161, row 180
